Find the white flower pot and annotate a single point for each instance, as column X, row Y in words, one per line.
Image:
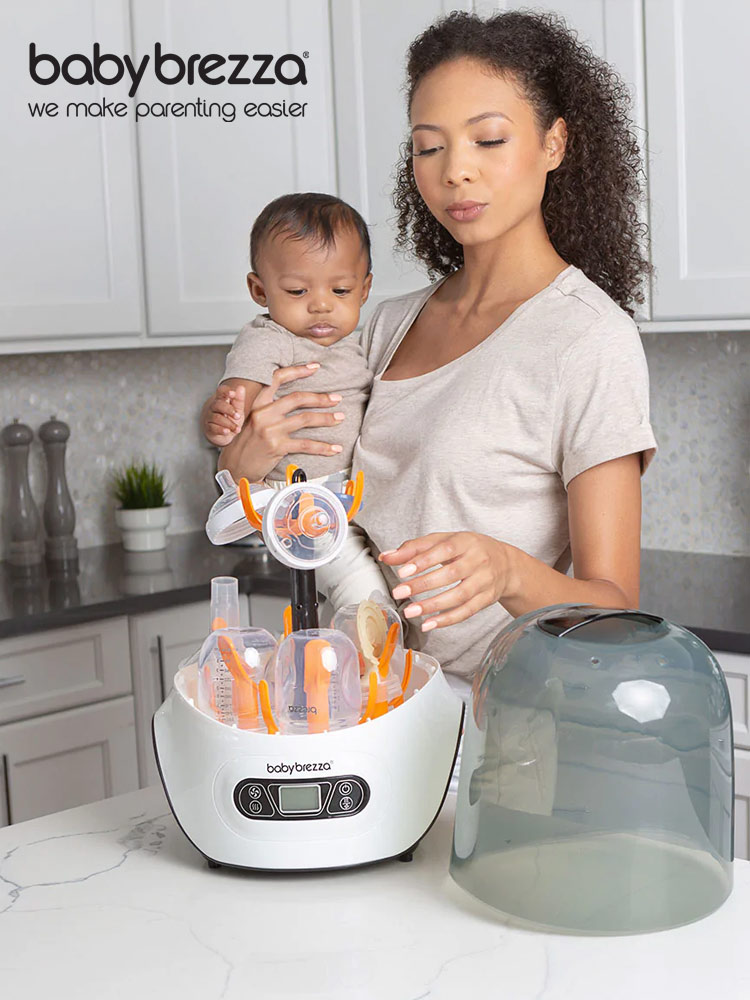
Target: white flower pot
column 143, row 530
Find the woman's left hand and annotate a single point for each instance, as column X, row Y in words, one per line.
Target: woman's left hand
column 478, row 566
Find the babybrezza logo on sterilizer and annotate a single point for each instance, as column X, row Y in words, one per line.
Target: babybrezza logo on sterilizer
column 298, row 766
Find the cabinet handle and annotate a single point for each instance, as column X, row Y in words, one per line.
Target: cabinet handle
column 7, row 682
column 160, row 663
column 6, row 781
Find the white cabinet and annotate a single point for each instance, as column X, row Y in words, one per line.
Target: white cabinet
column 370, row 44
column 63, row 668
column 736, row 667
column 204, row 179
column 67, row 736
column 742, row 804
column 159, row 641
column 67, row 759
column 369, row 58
column 70, row 267
column 699, row 149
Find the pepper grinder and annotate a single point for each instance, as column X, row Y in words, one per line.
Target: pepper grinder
column 59, row 512
column 22, row 522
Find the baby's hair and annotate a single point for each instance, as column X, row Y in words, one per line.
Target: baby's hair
column 590, row 204
column 307, row 216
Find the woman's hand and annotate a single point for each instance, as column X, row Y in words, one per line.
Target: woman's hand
column 478, row 567
column 265, row 437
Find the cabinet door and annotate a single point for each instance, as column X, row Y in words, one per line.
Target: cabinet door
column 63, row 668
column 369, row 59
column 70, row 254
column 699, row 150
column 736, row 667
column 68, row 759
column 742, row 804
column 159, row 642
column 205, row 179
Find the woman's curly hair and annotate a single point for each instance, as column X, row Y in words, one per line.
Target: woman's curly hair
column 590, row 203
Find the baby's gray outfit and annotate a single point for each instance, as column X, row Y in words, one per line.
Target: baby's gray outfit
column 263, row 346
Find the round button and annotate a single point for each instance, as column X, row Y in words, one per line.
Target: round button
column 345, row 788
column 347, row 803
column 254, row 791
column 255, row 807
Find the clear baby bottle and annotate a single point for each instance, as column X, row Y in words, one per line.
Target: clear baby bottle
column 232, row 662
column 316, row 682
column 377, row 635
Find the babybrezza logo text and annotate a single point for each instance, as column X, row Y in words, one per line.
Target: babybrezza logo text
column 298, row 767
column 168, row 68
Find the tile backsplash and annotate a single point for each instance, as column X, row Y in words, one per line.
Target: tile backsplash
column 145, row 403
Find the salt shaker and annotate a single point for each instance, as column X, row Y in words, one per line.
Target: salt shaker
column 22, row 521
column 59, row 512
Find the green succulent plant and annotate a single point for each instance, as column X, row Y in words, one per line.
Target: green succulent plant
column 138, row 485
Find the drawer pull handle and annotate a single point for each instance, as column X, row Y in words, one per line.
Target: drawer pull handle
column 7, row 682
column 160, row 663
column 6, row 777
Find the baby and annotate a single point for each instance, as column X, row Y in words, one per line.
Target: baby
column 311, row 271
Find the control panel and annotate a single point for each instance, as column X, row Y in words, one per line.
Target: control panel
column 328, row 798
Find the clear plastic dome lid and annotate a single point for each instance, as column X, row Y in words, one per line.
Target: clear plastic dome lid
column 304, row 525
column 596, row 782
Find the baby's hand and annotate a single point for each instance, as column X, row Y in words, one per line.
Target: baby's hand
column 224, row 415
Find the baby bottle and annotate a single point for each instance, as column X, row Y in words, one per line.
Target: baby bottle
column 232, row 662
column 376, row 632
column 316, row 682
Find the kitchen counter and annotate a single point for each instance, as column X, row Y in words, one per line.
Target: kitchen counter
column 110, row 900
column 110, row 581
column 710, row 594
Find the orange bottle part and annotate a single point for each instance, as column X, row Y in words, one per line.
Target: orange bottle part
column 287, row 620
column 251, row 514
column 372, row 694
column 265, row 708
column 407, row 671
column 355, row 489
column 290, row 470
column 317, row 682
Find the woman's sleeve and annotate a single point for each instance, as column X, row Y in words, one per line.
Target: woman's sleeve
column 602, row 411
column 367, row 336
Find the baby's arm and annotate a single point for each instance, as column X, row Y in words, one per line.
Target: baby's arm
column 224, row 413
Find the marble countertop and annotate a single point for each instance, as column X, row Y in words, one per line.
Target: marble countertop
column 110, row 900
column 710, row 594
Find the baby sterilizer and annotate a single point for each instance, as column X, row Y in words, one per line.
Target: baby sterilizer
column 596, row 785
column 327, row 748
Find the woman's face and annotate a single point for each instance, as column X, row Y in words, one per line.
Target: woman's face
column 479, row 162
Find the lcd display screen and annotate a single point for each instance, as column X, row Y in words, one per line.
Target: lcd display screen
column 299, row 798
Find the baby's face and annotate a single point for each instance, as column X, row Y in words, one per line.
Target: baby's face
column 315, row 292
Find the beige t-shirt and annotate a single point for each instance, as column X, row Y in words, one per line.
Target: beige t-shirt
column 263, row 346
column 489, row 442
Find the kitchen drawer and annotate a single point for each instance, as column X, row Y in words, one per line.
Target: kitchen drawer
column 742, row 804
column 62, row 668
column 736, row 667
column 67, row 759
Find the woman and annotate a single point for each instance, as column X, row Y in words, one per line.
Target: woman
column 508, row 424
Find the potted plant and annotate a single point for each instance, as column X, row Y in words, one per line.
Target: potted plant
column 142, row 513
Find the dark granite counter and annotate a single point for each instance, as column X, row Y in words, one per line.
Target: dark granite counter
column 112, row 582
column 710, row 594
